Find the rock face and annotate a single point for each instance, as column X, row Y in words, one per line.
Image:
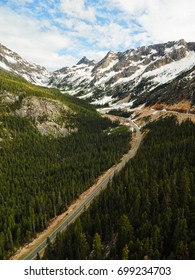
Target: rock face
column 161, row 72
column 8, row 98
column 132, row 74
column 50, row 116
column 38, row 108
column 12, row 62
column 86, row 61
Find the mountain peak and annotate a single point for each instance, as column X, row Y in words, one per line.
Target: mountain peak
column 110, row 54
column 13, row 62
column 182, row 42
column 84, row 60
column 133, row 75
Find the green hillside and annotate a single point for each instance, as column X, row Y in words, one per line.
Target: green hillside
column 40, row 174
column 148, row 211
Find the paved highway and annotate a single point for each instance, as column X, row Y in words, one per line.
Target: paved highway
column 101, row 184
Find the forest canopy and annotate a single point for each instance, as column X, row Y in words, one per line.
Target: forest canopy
column 41, row 175
column 148, row 210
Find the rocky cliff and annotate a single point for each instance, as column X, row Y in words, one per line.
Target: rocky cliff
column 134, row 76
column 14, row 63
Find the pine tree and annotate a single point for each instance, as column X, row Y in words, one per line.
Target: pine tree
column 125, row 253
column 97, row 247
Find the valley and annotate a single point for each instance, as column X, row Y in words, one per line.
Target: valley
column 61, row 222
column 42, row 173
column 65, row 145
column 147, row 211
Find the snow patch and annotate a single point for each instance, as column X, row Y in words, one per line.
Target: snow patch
column 132, row 77
column 104, row 100
column 170, row 71
column 153, row 51
column 2, row 65
column 80, row 74
column 10, row 59
column 105, row 78
column 109, row 66
column 124, row 105
column 86, row 95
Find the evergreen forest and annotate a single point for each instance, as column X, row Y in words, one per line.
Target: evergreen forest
column 41, row 175
column 148, row 210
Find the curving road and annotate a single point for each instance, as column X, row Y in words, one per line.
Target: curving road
column 101, row 184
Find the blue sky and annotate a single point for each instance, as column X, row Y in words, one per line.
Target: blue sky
column 57, row 33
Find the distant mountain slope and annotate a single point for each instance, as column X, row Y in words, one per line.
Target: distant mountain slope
column 149, row 74
column 132, row 75
column 12, row 62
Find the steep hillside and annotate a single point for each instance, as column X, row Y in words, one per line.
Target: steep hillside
column 147, row 211
column 162, row 72
column 52, row 148
column 14, row 63
column 40, row 106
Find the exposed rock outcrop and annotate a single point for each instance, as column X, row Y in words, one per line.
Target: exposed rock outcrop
column 138, row 72
column 11, row 61
column 51, row 117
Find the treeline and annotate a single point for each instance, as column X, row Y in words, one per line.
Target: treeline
column 120, row 113
column 148, row 210
column 41, row 175
column 10, row 83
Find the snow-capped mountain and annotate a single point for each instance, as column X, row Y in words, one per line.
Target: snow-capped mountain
column 161, row 73
column 12, row 62
column 133, row 76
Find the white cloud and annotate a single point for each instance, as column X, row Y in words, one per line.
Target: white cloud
column 162, row 20
column 24, row 35
column 112, row 36
column 78, row 9
column 170, row 20
column 133, row 7
column 109, row 35
column 58, row 33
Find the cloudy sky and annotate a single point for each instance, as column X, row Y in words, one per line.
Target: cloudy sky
column 57, row 33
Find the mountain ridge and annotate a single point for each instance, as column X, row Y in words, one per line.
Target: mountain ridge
column 13, row 62
column 127, row 78
column 129, row 75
